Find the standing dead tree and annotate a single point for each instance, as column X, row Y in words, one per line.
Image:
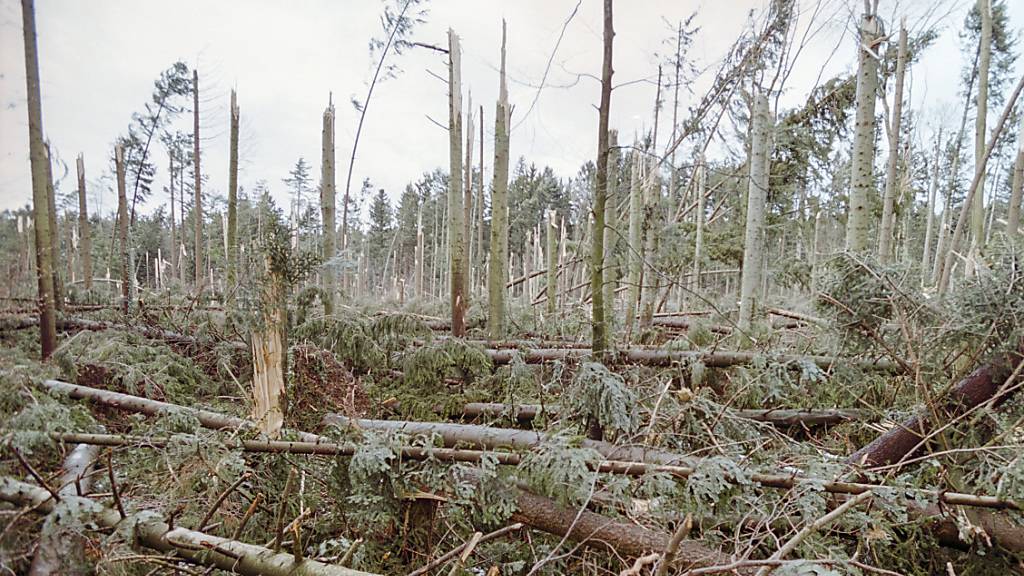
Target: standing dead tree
column 456, row 213
column 40, row 201
column 599, row 322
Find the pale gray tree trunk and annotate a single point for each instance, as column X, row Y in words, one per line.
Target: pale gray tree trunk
column 980, row 120
column 122, row 227
column 757, row 193
column 232, row 224
column 328, row 209
column 552, row 256
column 40, row 201
column 478, row 254
column 197, row 210
column 1017, row 186
column 174, row 224
column 635, row 247
column 84, row 229
column 862, row 186
column 497, row 270
column 599, row 338
column 611, row 222
column 54, row 244
column 929, row 215
column 885, row 233
column 467, row 205
column 698, row 244
column 456, row 213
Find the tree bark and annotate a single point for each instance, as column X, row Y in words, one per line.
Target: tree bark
column 635, row 247
column 611, row 213
column 188, row 545
column 599, row 336
column 456, row 214
column 54, row 244
column 885, row 234
column 328, row 210
column 552, row 256
column 757, row 196
column 40, row 202
column 981, row 103
column 232, row 256
column 197, row 210
column 497, row 269
column 84, row 229
column 122, row 228
column 933, row 187
column 862, row 185
column 1016, row 189
column 61, row 551
column 467, row 207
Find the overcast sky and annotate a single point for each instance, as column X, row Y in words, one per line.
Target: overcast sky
column 98, row 60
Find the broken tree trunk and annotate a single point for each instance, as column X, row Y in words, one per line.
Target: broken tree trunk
column 188, row 545
column 987, row 383
column 60, row 550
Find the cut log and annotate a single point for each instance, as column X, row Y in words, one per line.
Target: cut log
column 61, row 551
column 194, row 547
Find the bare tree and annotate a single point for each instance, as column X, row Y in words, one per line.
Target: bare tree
column 84, row 231
column 456, row 214
column 197, row 209
column 885, row 233
column 862, row 185
column 232, row 227
column 599, row 339
column 40, row 201
column 328, row 209
column 757, row 195
column 497, row 270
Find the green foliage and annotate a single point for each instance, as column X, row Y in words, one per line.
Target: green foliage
column 560, row 471
column 603, row 395
column 348, row 337
column 426, row 367
column 129, row 362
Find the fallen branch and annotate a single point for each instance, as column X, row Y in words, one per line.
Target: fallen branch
column 440, row 560
column 189, row 546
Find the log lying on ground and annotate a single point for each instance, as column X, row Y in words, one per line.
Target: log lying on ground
column 683, row 323
column 711, row 359
column 60, row 551
column 622, row 538
column 25, row 322
column 532, row 508
column 778, row 417
column 207, row 418
column 327, row 448
column 988, row 383
column 985, row 384
column 490, row 438
column 189, row 546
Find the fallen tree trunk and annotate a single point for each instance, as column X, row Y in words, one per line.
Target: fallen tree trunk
column 327, row 448
column 776, row 416
column 991, row 383
column 683, row 323
column 61, row 551
column 535, row 511
column 491, row 438
column 622, row 538
column 187, row 545
column 23, row 323
column 988, row 383
column 711, row 359
column 207, row 418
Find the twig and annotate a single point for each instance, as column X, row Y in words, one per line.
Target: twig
column 113, row 486
column 458, row 549
column 673, row 546
column 220, row 500
column 806, row 531
column 638, row 565
column 466, row 551
column 351, row 551
column 34, row 474
column 248, row 514
column 280, row 509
